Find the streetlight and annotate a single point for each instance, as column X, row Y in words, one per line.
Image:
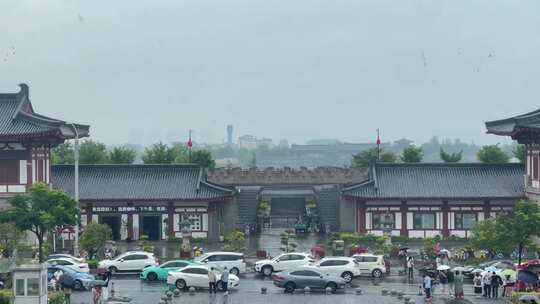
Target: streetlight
column 76, row 153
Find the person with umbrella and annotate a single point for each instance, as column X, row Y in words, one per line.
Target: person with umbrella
column 496, row 282
column 458, row 286
column 410, row 267
column 427, row 286
column 477, row 283
column 486, row 281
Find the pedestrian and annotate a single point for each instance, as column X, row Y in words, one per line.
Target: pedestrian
column 225, row 280
column 67, row 293
column 57, row 275
column 458, row 285
column 443, row 280
column 410, row 267
column 486, row 281
column 212, row 280
column 438, row 262
column 477, row 283
column 509, row 284
column 496, row 282
column 96, row 295
column 427, row 286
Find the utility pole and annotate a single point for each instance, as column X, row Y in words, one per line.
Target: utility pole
column 76, row 152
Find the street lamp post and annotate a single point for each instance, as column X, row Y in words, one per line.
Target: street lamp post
column 388, row 226
column 76, row 153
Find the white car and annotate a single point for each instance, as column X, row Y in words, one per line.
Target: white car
column 197, row 276
column 65, row 255
column 346, row 268
column 285, row 261
column 219, row 260
column 130, row 261
column 69, row 263
column 372, row 264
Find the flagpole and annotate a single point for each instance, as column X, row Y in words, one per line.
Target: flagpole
column 378, row 146
column 190, row 144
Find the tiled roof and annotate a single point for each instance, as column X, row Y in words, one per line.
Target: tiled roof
column 18, row 119
column 510, row 126
column 441, row 180
column 138, row 182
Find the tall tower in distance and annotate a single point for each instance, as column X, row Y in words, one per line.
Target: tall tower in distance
column 229, row 135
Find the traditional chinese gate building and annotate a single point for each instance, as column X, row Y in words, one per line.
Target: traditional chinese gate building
column 525, row 129
column 429, row 199
column 150, row 200
column 26, row 140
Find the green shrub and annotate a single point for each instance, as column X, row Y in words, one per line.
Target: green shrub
column 235, row 241
column 93, row 264
column 57, row 298
column 517, row 295
column 5, row 296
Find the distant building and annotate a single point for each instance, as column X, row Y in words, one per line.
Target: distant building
column 230, row 135
column 251, row 142
column 525, row 129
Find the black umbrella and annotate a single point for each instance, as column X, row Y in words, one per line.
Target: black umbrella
column 404, row 248
column 527, row 277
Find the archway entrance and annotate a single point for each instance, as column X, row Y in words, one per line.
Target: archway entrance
column 286, row 211
column 112, row 221
column 151, row 227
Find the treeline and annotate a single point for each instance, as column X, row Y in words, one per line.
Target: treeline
column 414, row 154
column 93, row 152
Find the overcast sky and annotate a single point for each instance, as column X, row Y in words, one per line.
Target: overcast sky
column 146, row 70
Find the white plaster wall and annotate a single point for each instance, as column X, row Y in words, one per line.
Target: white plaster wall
column 164, row 228
column 23, row 172
column 410, row 220
column 398, row 220
column 458, row 233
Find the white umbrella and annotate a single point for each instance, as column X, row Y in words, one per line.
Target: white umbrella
column 443, row 267
column 459, row 268
column 477, row 270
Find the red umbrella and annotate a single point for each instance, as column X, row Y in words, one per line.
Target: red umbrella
column 528, row 264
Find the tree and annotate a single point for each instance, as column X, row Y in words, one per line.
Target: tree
column 451, row 157
column 203, row 158
column 235, row 241
column 10, row 236
column 519, row 153
column 94, row 237
column 288, row 241
column 412, row 154
column 180, row 154
column 509, row 231
column 158, row 153
column 92, row 152
column 63, row 154
column 366, row 157
column 41, row 211
column 122, row 155
column 492, row 154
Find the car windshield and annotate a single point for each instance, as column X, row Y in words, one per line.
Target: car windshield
column 201, row 258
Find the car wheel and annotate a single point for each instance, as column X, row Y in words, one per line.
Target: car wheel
column 152, row 276
column 181, row 284
column 290, row 287
column 234, row 271
column 113, row 269
column 377, row 273
column 347, row 276
column 332, row 286
column 267, row 270
column 77, row 285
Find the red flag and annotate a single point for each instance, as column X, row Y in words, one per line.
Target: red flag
column 189, row 143
column 378, row 138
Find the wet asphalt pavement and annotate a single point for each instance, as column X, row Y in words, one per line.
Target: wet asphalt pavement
column 249, row 291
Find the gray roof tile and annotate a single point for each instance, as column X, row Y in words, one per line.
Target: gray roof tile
column 429, row 180
column 18, row 119
column 138, row 182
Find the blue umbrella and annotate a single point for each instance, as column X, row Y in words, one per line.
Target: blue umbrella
column 527, row 277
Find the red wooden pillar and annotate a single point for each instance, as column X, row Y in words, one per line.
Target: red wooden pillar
column 445, row 230
column 361, row 216
column 487, row 209
column 130, row 223
column 89, row 207
column 170, row 219
column 403, row 209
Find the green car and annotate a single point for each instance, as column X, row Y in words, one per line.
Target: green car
column 154, row 273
